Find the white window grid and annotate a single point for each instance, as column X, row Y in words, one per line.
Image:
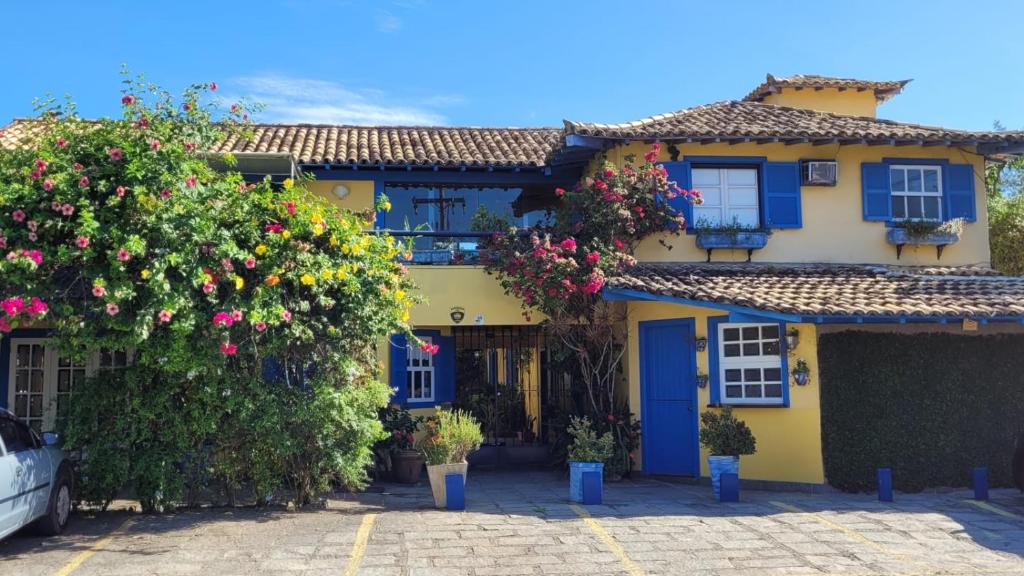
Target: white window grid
column 729, row 185
column 918, row 189
column 750, row 363
column 420, row 381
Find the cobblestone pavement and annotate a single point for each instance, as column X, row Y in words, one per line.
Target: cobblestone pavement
column 521, row 523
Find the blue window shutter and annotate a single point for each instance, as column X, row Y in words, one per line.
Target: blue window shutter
column 714, row 382
column 679, row 172
column 399, row 366
column 874, row 180
column 782, row 195
column 444, row 370
column 959, row 196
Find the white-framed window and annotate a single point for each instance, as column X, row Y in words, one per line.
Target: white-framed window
column 42, row 381
column 419, row 374
column 750, row 363
column 729, row 195
column 916, row 192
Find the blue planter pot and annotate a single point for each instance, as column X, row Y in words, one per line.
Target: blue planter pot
column 718, row 465
column 576, row 470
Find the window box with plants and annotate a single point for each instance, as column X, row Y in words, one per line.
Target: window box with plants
column 924, row 233
column 588, row 452
column 451, row 435
column 733, row 236
column 726, row 439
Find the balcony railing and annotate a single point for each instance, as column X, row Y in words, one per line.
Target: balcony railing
column 442, row 248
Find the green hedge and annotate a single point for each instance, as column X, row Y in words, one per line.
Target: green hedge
column 930, row 406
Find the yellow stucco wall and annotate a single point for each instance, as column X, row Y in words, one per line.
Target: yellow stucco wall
column 360, row 195
column 826, row 100
column 788, row 438
column 833, row 226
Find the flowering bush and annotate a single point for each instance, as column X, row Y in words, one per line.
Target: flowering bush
column 120, row 234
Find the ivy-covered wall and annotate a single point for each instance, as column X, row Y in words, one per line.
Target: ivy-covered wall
column 930, row 406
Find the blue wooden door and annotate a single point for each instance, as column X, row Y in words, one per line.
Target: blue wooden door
column 668, row 397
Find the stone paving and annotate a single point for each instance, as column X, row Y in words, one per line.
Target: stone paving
column 521, row 523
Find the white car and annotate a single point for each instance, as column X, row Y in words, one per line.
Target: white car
column 35, row 479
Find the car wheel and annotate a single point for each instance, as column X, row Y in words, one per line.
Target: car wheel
column 59, row 509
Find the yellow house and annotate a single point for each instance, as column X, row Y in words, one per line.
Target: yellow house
column 817, row 217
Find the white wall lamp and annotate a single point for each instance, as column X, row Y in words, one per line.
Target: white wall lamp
column 341, row 191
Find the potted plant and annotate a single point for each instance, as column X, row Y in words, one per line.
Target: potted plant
column 587, row 452
column 925, row 233
column 726, row 439
column 801, row 372
column 702, row 379
column 398, row 451
column 451, row 435
column 729, row 236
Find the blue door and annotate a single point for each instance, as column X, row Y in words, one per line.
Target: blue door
column 668, row 397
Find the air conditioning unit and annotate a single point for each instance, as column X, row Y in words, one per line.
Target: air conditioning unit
column 819, row 172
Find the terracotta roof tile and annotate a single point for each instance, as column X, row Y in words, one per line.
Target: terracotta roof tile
column 738, row 120
column 377, row 145
column 883, row 90
column 835, row 289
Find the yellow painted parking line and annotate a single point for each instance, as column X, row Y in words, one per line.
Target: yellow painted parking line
column 96, row 547
column 995, row 509
column 631, row 567
column 359, row 547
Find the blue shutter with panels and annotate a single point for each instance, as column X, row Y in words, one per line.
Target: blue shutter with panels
column 874, row 179
column 679, row 172
column 398, row 366
column 782, row 195
column 959, row 196
column 444, row 370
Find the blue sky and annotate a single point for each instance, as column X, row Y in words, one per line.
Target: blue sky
column 515, row 63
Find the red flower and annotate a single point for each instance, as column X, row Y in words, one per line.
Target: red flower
column 559, row 192
column 593, row 258
column 569, row 245
column 223, row 319
column 618, row 244
column 290, row 207
column 213, row 86
column 228, row 349
column 609, row 173
column 273, row 228
column 187, row 106
column 127, row 99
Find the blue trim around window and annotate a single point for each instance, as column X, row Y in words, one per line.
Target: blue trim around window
column 758, row 162
column 889, row 162
column 5, row 356
column 714, row 363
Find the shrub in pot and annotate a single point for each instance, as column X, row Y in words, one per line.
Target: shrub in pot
column 587, row 452
column 726, row 439
column 397, row 454
column 451, row 435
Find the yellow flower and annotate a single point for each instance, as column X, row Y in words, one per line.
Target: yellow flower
column 261, row 250
column 341, row 273
column 318, row 229
column 327, row 274
column 386, row 206
column 334, row 240
column 144, row 274
column 405, row 315
column 286, row 234
column 288, row 183
column 316, row 219
column 239, row 282
column 308, row 279
column 346, row 249
column 399, row 294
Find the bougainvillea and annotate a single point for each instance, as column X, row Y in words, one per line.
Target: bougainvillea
column 119, row 235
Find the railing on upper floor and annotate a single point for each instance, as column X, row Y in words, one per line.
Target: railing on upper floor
column 443, row 248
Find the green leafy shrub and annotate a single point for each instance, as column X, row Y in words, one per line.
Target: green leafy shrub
column 451, row 435
column 930, row 406
column 722, row 434
column 586, row 445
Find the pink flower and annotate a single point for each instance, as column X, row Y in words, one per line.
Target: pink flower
column 32, row 225
column 99, row 291
column 78, row 167
column 55, row 206
column 250, row 263
column 260, row 326
column 593, row 285
column 290, row 206
column 82, row 242
column 273, row 228
column 237, row 315
column 36, row 307
column 33, row 236
column 34, row 255
column 609, row 173
column 115, row 154
column 639, row 210
column 241, row 187
column 213, row 86
column 618, row 244
column 431, row 348
column 154, row 145
column 189, row 146
column 165, row 193
column 47, row 184
column 83, row 181
column 223, row 319
column 12, row 306
column 112, row 309
column 601, row 185
column 142, row 122
column 123, row 255
column 41, row 165
column 191, row 181
column 569, row 245
column 187, row 106
column 208, row 287
column 5, row 326
column 120, row 191
column 3, row 242
column 164, row 316
column 61, row 143
column 127, row 99
column 593, row 258
column 559, row 192
column 235, row 107
column 228, row 349
column 286, row 316
column 67, row 209
column 18, row 215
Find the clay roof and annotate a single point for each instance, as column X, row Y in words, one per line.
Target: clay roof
column 377, row 145
column 883, row 89
column 759, row 122
column 835, row 289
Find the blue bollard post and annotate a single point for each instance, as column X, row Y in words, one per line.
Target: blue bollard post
column 592, row 488
column 981, row 483
column 729, row 487
column 455, row 491
column 885, row 485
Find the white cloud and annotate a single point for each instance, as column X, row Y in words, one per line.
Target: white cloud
column 388, row 22
column 291, row 99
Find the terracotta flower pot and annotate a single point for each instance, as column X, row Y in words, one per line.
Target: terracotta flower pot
column 437, row 472
column 406, row 466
